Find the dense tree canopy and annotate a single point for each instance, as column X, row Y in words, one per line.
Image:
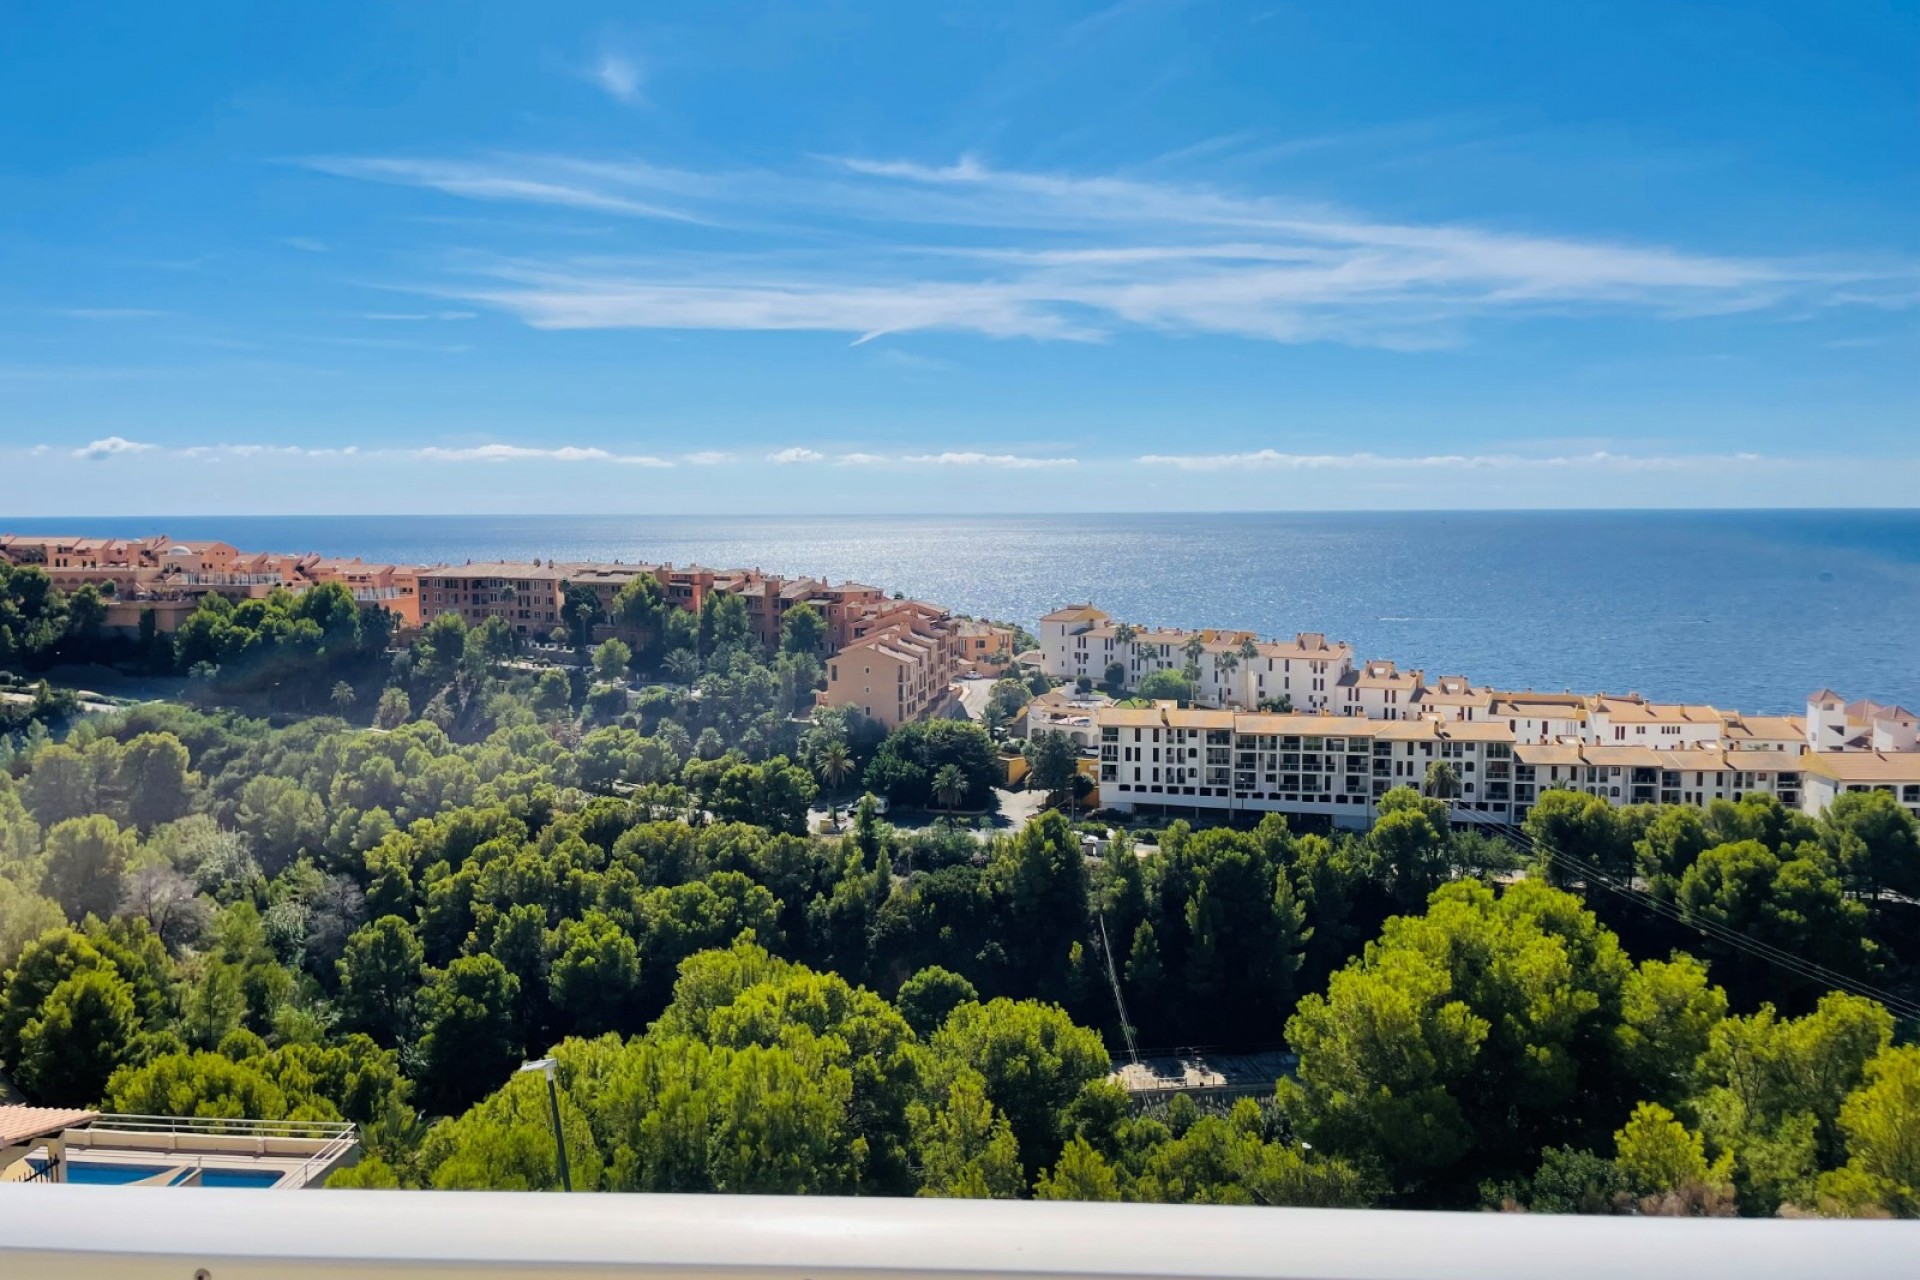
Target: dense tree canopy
column 904, row 768
column 205, row 913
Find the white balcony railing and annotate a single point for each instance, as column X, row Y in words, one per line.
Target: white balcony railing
column 132, row 1233
column 220, row 1126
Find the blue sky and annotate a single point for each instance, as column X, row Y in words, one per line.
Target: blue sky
column 914, row 257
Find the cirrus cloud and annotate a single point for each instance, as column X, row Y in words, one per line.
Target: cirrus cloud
column 967, row 247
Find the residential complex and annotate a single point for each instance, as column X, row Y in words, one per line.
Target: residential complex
column 1299, row 727
column 1164, row 754
column 1069, row 711
column 165, row 579
column 899, row 665
column 1295, row 725
column 1229, row 668
column 895, row 659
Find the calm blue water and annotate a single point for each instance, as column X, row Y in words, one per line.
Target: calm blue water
column 99, row 1174
column 1742, row 609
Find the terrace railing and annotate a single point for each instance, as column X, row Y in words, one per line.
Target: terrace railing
column 218, row 1126
column 132, row 1234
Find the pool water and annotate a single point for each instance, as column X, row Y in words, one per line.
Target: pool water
column 98, row 1174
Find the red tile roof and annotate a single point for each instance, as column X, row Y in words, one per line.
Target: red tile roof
column 24, row 1124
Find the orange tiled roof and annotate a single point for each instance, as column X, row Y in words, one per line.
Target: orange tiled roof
column 24, row 1124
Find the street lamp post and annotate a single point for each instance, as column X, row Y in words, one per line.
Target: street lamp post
column 547, row 1067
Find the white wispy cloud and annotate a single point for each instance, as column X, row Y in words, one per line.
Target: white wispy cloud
column 500, row 179
column 515, row 452
column 619, row 75
column 1012, row 460
column 1274, row 460
column 218, row 452
column 1074, row 257
column 1439, row 472
column 119, row 446
column 305, row 244
column 110, row 447
column 797, row 455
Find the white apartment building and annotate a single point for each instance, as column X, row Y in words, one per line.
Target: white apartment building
column 1306, row 671
column 1223, row 761
column 1829, row 773
column 1235, row 668
column 1337, row 767
column 1454, row 698
column 1652, row 775
column 1066, row 710
column 1653, row 724
column 1076, row 641
column 1379, row 691
column 1834, row 724
column 1506, row 746
column 1764, row 733
column 1540, row 717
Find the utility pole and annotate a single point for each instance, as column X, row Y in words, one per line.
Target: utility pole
column 548, row 1067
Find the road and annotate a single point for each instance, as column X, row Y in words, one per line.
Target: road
column 974, row 693
column 1012, row 811
column 92, row 708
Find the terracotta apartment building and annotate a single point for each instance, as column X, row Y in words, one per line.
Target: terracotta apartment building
column 896, row 659
column 166, row 578
column 900, row 665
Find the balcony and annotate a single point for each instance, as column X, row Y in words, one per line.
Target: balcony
column 170, row 1151
column 64, row 1232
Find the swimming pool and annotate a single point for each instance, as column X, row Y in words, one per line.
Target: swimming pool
column 96, row 1173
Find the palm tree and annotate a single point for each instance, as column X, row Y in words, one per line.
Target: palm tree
column 1249, row 650
column 1225, row 664
column 834, row 764
column 1193, row 648
column 1442, row 782
column 1123, row 633
column 683, row 665
column 949, row 786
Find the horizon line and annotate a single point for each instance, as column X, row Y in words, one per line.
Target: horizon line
column 966, row 515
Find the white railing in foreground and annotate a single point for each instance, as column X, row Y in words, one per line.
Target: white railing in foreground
column 135, row 1233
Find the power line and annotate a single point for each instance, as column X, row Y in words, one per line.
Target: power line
column 1799, row 966
column 1119, row 1001
column 1808, row 969
column 1764, row 950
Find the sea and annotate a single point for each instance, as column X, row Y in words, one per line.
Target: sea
column 1742, row 609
